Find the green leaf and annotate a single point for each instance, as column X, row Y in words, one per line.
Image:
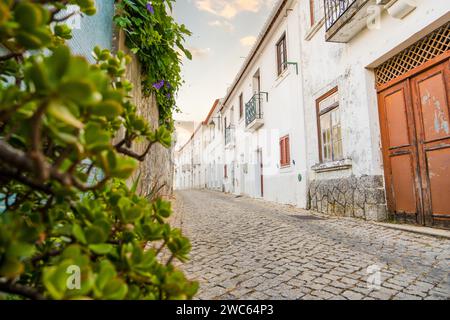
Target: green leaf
column 102, row 249
column 20, row 250
column 38, row 75
column 62, row 113
column 106, row 273
column 125, row 166
column 95, row 234
column 29, row 40
column 109, row 109
column 133, row 214
column 63, row 31
column 71, row 251
column 96, row 138
column 115, row 289
column 28, row 15
column 11, row 268
column 78, row 233
column 55, row 279
column 162, row 208
column 59, row 61
column 80, row 90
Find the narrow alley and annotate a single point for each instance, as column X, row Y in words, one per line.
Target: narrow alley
column 244, row 248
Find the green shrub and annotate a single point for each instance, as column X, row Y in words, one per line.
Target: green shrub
column 67, row 210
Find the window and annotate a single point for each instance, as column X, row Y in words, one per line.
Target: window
column 329, row 127
column 285, row 154
column 241, row 106
column 281, row 54
column 317, row 10
column 225, row 173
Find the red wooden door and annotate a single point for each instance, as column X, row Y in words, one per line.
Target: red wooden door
column 400, row 152
column 414, row 121
column 431, row 100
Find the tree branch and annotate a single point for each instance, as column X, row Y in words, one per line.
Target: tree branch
column 44, row 256
column 11, row 55
column 15, row 175
column 54, row 19
column 132, row 154
column 36, row 146
column 21, row 290
column 18, row 159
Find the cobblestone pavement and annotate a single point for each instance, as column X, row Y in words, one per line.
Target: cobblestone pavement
column 251, row 249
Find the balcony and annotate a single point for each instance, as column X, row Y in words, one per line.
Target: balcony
column 345, row 18
column 253, row 112
column 229, row 136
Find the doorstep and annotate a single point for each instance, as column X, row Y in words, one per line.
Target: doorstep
column 417, row 229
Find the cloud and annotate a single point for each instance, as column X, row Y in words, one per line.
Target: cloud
column 248, row 41
column 222, row 24
column 200, row 53
column 228, row 9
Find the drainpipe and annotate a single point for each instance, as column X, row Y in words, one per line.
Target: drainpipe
column 302, row 92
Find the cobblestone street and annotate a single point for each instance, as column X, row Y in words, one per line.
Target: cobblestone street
column 251, row 249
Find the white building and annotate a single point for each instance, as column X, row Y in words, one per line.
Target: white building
column 342, row 106
column 257, row 112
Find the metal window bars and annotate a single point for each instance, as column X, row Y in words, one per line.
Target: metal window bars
column 253, row 108
column 334, row 9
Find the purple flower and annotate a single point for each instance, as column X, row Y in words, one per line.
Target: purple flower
column 168, row 96
column 150, row 8
column 158, row 85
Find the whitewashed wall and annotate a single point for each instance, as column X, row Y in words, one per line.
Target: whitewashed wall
column 282, row 116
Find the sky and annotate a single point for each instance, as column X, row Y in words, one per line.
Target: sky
column 223, row 34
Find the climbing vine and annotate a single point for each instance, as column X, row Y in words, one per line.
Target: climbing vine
column 157, row 40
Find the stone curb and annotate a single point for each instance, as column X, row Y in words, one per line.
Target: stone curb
column 441, row 233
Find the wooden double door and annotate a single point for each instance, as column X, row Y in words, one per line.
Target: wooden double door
column 415, row 130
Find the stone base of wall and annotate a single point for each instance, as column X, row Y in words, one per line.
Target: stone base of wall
column 359, row 197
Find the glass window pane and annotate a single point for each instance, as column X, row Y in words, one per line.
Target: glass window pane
column 325, row 127
column 337, row 136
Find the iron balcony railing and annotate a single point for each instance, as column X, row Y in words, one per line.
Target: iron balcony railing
column 228, row 134
column 334, row 9
column 253, row 108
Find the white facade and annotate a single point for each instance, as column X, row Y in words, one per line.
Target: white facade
column 294, row 104
column 279, row 100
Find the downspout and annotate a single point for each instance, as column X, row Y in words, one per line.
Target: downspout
column 302, row 81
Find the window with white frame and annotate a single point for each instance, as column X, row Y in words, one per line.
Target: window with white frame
column 329, row 123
